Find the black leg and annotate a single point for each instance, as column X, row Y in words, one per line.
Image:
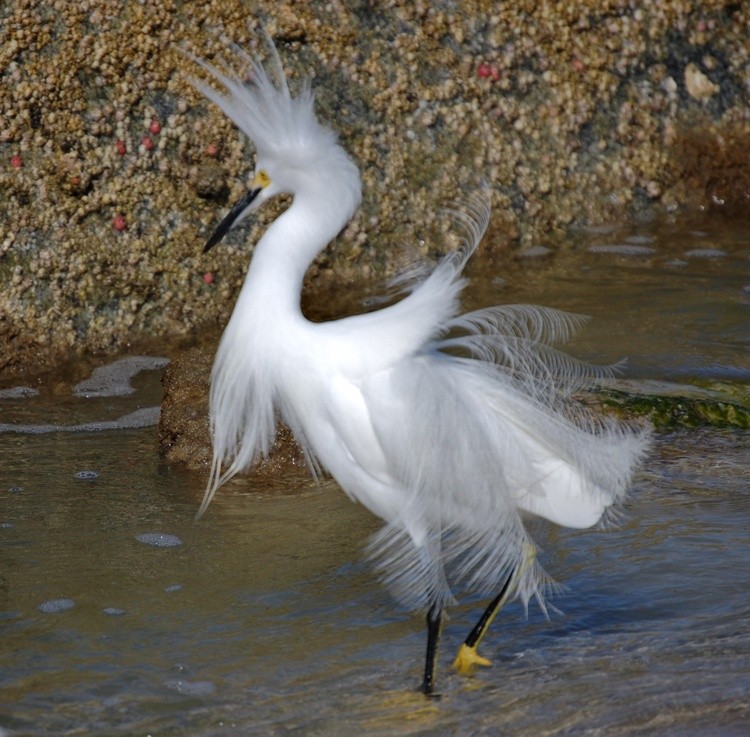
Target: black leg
column 434, row 625
column 467, row 656
column 489, row 614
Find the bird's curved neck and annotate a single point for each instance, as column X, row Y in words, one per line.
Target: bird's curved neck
column 287, row 248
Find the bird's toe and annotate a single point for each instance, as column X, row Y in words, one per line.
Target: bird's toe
column 467, row 660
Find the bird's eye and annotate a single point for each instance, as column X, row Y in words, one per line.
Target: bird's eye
column 262, row 179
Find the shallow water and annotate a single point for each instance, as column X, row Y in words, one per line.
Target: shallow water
column 263, row 620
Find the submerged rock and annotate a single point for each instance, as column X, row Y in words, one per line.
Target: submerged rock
column 669, row 406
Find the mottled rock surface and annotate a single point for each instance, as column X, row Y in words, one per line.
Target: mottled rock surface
column 183, row 426
column 113, row 170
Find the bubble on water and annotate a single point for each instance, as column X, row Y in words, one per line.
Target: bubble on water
column 15, row 489
column 144, row 417
column 640, row 240
column 86, row 475
column 114, row 380
column 53, row 606
column 533, row 252
column 113, row 611
column 159, row 539
column 705, row 253
column 597, row 229
column 5, row 525
column 192, row 688
column 18, row 392
column 624, row 249
column 173, row 588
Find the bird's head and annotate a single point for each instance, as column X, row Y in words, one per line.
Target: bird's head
column 295, row 153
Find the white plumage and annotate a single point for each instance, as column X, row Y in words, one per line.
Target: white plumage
column 449, row 427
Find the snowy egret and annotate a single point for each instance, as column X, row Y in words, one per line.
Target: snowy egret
column 450, row 427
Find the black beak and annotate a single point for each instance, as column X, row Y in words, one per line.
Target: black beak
column 229, row 218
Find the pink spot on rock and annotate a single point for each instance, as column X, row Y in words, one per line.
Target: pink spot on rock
column 16, row 161
column 484, row 70
column 147, row 142
column 155, row 126
column 208, row 278
column 120, row 147
column 119, row 223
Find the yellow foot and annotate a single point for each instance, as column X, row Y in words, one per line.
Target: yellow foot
column 467, row 659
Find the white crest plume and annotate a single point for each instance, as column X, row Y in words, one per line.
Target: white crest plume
column 262, row 107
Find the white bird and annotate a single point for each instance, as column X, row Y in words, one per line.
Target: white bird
column 449, row 427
